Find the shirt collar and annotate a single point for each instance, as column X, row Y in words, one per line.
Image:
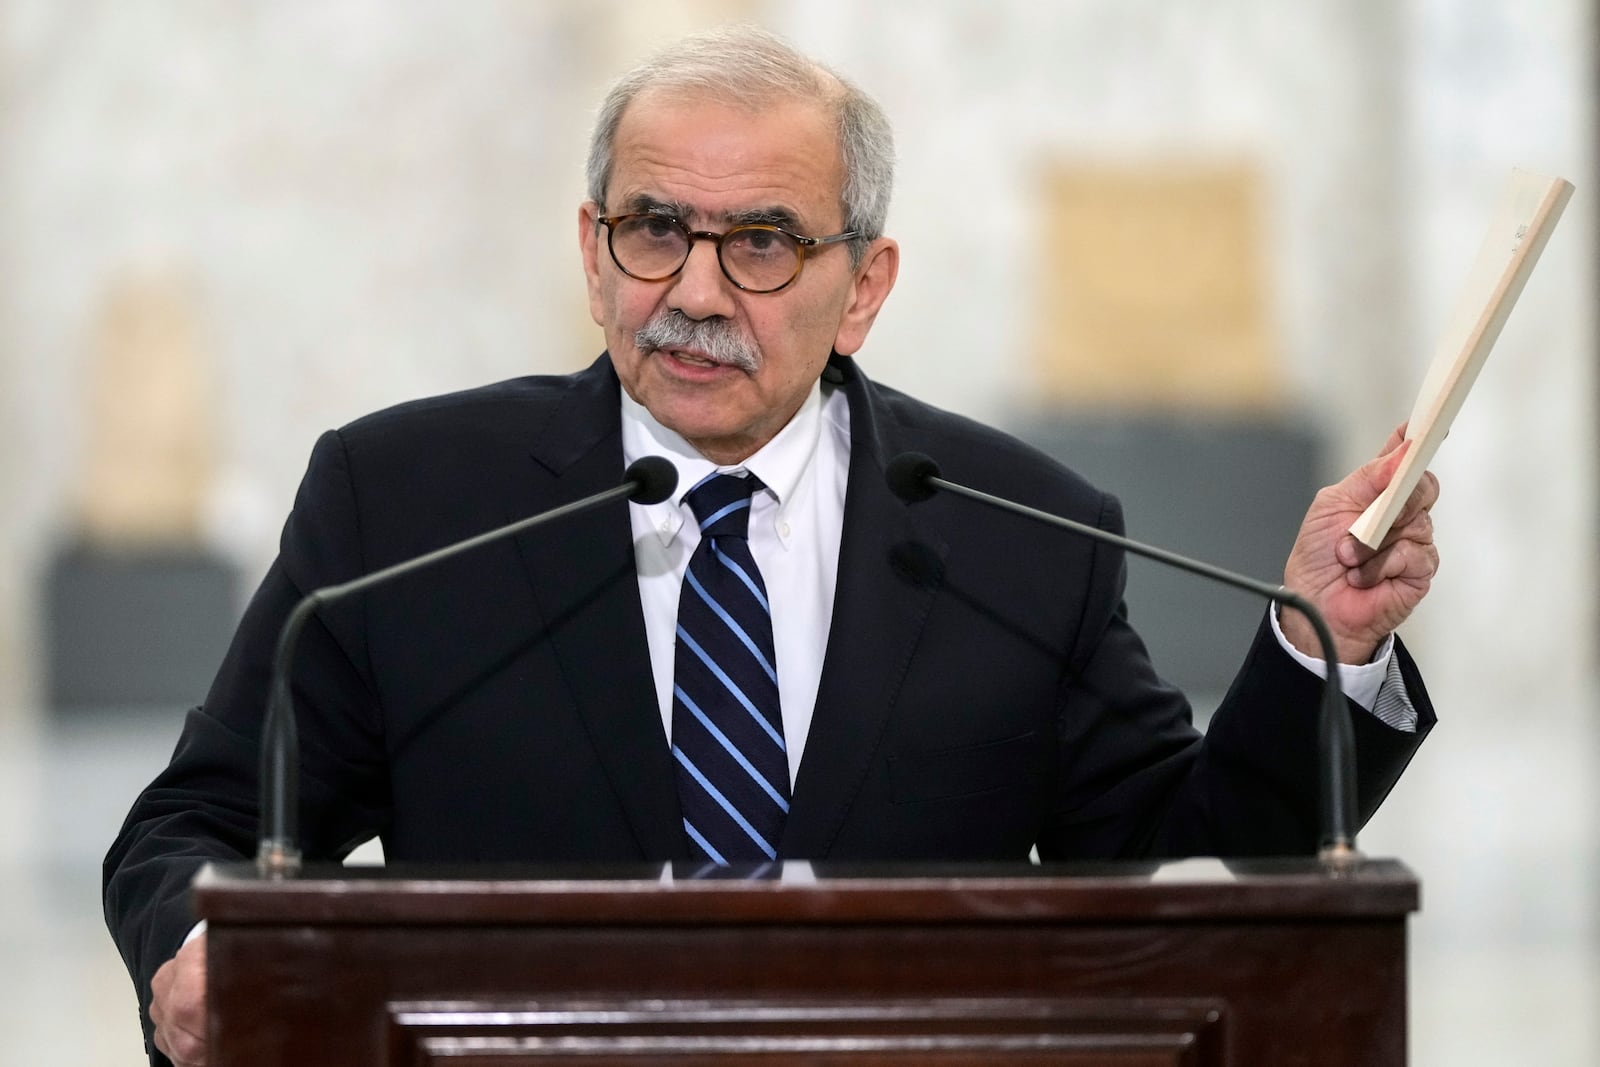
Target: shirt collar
column 780, row 463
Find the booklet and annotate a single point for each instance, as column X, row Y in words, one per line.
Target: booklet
column 1528, row 211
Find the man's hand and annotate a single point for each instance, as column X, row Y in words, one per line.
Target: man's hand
column 178, row 1005
column 1363, row 594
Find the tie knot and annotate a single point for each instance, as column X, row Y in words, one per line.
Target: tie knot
column 721, row 503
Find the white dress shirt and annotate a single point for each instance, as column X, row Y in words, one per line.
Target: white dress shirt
column 795, row 526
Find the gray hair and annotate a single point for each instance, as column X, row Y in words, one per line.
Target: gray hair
column 750, row 67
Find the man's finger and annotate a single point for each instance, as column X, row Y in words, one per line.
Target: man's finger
column 182, row 1047
column 1370, row 479
column 1396, row 439
column 1423, row 497
column 1414, row 523
column 180, row 1039
column 1409, row 561
column 1416, row 526
column 178, row 1005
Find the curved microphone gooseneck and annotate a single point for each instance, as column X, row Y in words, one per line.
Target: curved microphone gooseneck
column 914, row 477
column 646, row 481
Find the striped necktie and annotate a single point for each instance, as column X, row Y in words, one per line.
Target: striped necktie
column 727, row 732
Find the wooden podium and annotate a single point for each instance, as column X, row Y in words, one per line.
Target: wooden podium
column 1253, row 964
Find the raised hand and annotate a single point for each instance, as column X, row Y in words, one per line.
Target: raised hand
column 1364, row 594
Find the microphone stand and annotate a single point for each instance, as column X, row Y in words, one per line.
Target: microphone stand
column 646, row 481
column 1336, row 737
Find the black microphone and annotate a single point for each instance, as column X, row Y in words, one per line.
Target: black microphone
column 646, row 481
column 914, row 477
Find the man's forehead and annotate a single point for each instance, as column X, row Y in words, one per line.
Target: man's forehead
column 700, row 157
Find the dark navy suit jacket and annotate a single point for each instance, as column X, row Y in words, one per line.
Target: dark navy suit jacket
column 982, row 690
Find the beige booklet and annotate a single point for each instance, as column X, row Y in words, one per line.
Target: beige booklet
column 1527, row 214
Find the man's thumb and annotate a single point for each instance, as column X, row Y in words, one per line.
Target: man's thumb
column 1374, row 476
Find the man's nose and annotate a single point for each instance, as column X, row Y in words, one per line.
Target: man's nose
column 700, row 290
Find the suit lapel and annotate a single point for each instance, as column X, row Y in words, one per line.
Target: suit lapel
column 890, row 565
column 889, row 570
column 588, row 593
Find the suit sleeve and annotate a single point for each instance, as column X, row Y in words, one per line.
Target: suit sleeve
column 1137, row 779
column 203, row 806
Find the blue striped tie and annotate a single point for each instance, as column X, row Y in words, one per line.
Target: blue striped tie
column 727, row 732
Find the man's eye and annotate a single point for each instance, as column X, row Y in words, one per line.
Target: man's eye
column 765, row 244
column 658, row 228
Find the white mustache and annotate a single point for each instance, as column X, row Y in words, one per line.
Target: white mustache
column 717, row 338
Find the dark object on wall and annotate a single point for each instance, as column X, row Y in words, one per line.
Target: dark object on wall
column 135, row 628
column 1227, row 490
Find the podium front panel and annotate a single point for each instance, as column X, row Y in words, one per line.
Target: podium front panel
column 1269, row 963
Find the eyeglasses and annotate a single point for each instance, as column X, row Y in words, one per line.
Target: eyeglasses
column 757, row 258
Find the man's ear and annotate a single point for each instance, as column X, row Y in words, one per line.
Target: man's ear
column 589, row 245
column 874, row 278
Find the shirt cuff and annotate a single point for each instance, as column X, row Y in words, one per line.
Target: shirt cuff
column 1377, row 686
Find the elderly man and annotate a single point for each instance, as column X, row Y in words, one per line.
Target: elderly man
column 784, row 661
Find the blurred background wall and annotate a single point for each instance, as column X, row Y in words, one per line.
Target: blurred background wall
column 224, row 228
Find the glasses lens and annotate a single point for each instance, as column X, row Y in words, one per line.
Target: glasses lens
column 649, row 246
column 760, row 257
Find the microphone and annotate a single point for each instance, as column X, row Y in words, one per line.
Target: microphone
column 646, row 481
column 914, row 477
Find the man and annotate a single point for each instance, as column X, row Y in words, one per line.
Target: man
column 835, row 675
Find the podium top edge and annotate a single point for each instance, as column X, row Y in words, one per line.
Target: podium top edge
column 799, row 892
